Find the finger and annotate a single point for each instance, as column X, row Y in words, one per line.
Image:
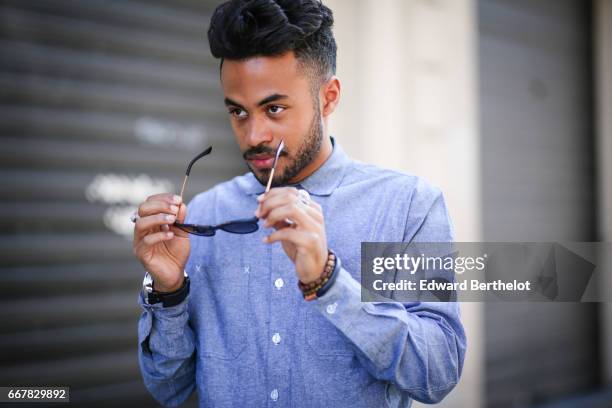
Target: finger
column 288, row 211
column 299, row 238
column 285, row 192
column 274, row 201
column 277, row 191
column 157, row 237
column 316, row 215
column 314, row 211
column 290, row 195
column 157, row 206
column 284, row 224
column 180, row 219
column 150, row 222
column 168, row 197
column 315, row 205
column 182, row 214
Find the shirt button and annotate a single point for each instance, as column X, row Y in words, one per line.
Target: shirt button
column 279, row 283
column 247, row 269
column 331, row 309
column 276, row 338
column 274, row 395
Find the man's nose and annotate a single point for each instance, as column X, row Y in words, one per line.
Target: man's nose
column 258, row 132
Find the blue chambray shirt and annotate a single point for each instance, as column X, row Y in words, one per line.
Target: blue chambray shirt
column 245, row 337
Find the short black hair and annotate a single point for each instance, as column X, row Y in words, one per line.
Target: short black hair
column 240, row 29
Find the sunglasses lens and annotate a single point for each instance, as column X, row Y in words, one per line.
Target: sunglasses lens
column 202, row 230
column 241, row 227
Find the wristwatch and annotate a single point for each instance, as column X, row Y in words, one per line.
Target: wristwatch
column 152, row 297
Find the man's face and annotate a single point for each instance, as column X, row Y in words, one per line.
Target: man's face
column 269, row 99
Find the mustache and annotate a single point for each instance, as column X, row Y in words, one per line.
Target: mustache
column 261, row 149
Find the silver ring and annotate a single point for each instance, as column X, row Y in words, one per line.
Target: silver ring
column 134, row 216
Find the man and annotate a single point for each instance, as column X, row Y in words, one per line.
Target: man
column 244, row 333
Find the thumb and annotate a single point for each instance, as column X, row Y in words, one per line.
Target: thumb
column 182, row 214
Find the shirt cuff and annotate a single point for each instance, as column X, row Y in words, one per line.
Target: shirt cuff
column 166, row 319
column 341, row 304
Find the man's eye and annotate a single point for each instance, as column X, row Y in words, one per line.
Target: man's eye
column 239, row 113
column 275, row 109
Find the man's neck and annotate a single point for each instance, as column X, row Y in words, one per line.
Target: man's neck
column 320, row 158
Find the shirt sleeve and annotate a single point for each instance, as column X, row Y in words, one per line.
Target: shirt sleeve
column 166, row 342
column 419, row 347
column 166, row 351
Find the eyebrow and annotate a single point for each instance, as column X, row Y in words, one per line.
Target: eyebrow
column 267, row 99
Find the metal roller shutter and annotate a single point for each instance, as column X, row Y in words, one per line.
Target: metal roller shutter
column 537, row 169
column 101, row 102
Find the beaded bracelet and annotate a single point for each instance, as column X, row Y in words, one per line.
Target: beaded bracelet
column 310, row 290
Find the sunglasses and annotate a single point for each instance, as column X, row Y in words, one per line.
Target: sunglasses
column 241, row 226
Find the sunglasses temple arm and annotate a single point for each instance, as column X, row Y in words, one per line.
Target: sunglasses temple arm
column 195, row 159
column 183, row 187
column 270, row 180
column 279, row 149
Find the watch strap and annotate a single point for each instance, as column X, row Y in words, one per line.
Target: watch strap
column 170, row 298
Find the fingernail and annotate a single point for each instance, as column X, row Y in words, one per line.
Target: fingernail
column 264, row 239
column 169, row 217
column 177, row 199
column 173, row 208
column 261, row 197
column 257, row 212
column 170, row 234
column 165, row 227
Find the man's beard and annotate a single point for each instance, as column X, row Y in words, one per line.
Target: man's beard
column 295, row 163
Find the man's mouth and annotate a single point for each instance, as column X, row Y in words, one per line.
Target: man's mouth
column 261, row 162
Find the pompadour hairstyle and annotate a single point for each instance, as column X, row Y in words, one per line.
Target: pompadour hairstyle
column 240, row 29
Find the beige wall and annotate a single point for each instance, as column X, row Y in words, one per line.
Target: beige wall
column 408, row 71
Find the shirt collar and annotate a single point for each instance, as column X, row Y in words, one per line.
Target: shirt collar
column 322, row 182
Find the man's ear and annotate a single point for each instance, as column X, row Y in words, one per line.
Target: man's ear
column 330, row 95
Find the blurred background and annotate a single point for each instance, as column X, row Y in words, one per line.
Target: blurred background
column 504, row 104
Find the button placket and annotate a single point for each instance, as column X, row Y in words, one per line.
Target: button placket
column 281, row 301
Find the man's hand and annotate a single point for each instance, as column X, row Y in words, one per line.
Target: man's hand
column 304, row 240
column 162, row 248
